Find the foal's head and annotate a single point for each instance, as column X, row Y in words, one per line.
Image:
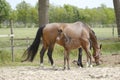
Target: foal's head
column 62, row 35
column 97, row 53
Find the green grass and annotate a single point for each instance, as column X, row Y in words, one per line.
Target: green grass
column 5, row 55
column 20, row 32
column 109, row 46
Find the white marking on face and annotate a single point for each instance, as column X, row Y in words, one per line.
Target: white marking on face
column 58, row 38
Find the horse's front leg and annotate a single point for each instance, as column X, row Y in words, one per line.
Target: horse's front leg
column 42, row 52
column 79, row 62
column 89, row 59
column 88, row 54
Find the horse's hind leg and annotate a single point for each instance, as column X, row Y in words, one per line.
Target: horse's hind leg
column 79, row 63
column 49, row 53
column 42, row 52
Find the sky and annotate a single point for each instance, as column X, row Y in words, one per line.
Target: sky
column 78, row 3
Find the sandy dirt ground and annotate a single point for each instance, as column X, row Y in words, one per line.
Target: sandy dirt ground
column 110, row 70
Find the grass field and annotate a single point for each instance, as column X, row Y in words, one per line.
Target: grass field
column 109, row 46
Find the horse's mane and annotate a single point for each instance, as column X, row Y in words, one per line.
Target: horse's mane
column 93, row 39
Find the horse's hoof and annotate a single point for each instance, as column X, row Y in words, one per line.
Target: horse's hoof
column 64, row 68
column 53, row 66
column 87, row 64
column 68, row 68
column 41, row 65
column 91, row 66
column 79, row 64
column 80, row 67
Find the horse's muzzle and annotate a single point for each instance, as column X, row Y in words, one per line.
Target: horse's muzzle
column 58, row 38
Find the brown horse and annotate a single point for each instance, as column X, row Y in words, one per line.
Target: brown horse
column 48, row 33
column 77, row 35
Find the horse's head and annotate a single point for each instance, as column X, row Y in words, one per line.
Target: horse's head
column 97, row 53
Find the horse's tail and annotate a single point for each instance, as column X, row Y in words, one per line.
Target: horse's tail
column 30, row 53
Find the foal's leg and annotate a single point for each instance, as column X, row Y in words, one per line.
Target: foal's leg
column 79, row 63
column 65, row 57
column 68, row 59
column 42, row 52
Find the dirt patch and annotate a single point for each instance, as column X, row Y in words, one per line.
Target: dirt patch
column 109, row 70
column 111, row 60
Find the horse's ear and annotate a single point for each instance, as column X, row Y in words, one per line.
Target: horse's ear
column 100, row 46
column 59, row 30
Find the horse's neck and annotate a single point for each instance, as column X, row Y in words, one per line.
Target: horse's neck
column 94, row 42
column 95, row 48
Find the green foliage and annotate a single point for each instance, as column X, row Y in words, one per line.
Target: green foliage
column 27, row 14
column 69, row 13
column 23, row 12
column 33, row 15
column 13, row 15
column 5, row 9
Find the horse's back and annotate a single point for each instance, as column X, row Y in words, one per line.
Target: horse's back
column 76, row 30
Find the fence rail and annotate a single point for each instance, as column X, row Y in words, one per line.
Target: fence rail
column 9, row 35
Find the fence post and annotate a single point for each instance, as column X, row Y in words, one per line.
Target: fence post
column 12, row 40
column 113, row 31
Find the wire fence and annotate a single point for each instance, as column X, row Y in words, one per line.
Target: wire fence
column 102, row 33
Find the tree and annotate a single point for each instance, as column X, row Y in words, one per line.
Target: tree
column 117, row 13
column 13, row 15
column 23, row 10
column 33, row 15
column 5, row 9
column 43, row 12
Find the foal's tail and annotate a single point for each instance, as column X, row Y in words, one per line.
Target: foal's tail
column 30, row 53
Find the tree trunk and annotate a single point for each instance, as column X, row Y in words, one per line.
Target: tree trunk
column 117, row 14
column 43, row 12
